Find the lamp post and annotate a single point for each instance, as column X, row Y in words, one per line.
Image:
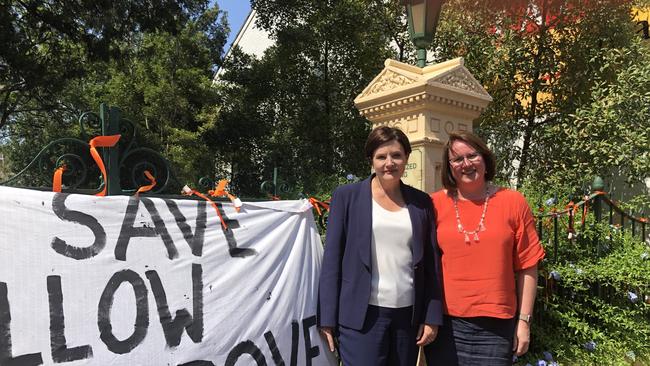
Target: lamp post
column 422, row 19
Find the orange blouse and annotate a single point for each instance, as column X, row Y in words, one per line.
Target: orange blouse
column 479, row 277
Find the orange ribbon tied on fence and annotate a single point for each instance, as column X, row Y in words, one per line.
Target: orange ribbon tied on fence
column 148, row 187
column 571, row 210
column 220, row 191
column 318, row 205
column 189, row 191
column 102, row 141
column 57, row 180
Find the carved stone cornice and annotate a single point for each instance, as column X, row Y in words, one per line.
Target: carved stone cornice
column 388, row 80
column 408, row 103
column 461, row 79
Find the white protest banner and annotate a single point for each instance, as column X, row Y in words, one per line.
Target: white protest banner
column 121, row 280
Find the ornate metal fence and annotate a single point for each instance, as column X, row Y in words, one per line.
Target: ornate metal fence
column 109, row 162
column 598, row 203
column 114, row 170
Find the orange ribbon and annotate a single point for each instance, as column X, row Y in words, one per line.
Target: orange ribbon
column 102, row 141
column 220, row 191
column 57, row 180
column 189, row 191
column 148, row 187
column 571, row 210
column 318, row 204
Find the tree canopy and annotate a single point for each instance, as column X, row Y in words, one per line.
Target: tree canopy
column 47, row 43
column 156, row 66
column 553, row 67
column 301, row 91
column 543, row 61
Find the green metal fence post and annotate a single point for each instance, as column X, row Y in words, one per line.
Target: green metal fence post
column 111, row 126
column 555, row 236
column 598, row 186
column 275, row 187
column 275, row 181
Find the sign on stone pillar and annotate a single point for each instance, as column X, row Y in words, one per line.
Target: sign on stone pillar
column 427, row 104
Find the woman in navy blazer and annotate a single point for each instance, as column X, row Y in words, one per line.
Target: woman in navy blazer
column 379, row 288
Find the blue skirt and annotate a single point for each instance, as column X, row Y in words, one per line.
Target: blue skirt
column 479, row 341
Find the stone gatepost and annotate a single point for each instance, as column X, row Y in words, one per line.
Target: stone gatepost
column 426, row 103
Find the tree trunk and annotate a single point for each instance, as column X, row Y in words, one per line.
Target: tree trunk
column 530, row 126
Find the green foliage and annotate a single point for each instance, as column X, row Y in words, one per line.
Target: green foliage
column 161, row 81
column 45, row 44
column 568, row 81
column 597, row 289
column 295, row 105
column 610, row 135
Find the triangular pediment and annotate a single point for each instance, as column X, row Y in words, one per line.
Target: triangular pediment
column 459, row 78
column 388, row 79
column 403, row 86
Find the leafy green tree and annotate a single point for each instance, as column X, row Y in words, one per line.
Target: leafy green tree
column 45, row 44
column 4, row 164
column 610, row 136
column 161, row 81
column 325, row 53
column 241, row 133
column 540, row 60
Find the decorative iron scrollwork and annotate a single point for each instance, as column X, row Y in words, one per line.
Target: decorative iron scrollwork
column 71, row 152
column 138, row 160
column 125, row 163
column 275, row 187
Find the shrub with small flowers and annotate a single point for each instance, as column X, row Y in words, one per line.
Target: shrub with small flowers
column 591, row 306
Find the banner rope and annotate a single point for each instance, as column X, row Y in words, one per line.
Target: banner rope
column 571, row 207
column 187, row 191
column 318, row 205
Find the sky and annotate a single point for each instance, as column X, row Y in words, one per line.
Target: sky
column 237, row 12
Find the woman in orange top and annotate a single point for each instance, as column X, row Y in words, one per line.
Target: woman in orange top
column 489, row 254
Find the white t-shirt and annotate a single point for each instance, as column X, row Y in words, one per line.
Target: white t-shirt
column 392, row 258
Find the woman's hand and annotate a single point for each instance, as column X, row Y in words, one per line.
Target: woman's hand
column 426, row 334
column 328, row 333
column 521, row 340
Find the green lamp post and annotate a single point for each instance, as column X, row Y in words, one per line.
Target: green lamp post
column 422, row 19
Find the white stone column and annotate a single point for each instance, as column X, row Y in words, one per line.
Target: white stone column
column 426, row 103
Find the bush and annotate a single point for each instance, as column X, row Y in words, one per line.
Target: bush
column 593, row 301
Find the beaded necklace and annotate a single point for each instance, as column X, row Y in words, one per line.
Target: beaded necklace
column 481, row 226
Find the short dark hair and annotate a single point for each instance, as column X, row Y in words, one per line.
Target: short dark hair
column 382, row 135
column 474, row 141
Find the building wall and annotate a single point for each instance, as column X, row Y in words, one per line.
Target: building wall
column 251, row 39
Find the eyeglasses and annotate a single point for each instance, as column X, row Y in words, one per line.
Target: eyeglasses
column 459, row 160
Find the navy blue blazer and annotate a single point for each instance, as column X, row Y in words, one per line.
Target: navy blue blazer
column 345, row 280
